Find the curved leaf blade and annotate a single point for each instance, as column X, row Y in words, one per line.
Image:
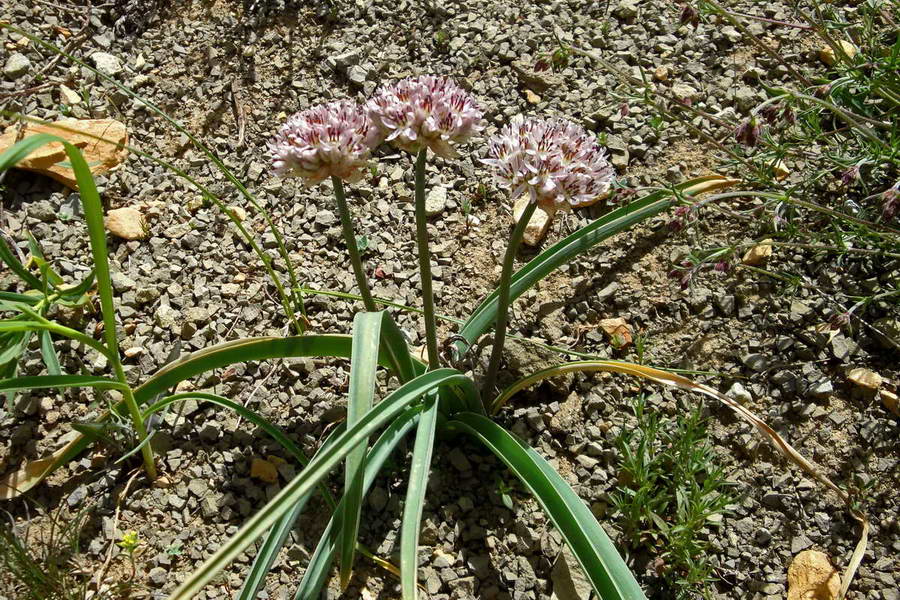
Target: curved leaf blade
column 415, row 499
column 320, row 563
column 34, row 382
column 363, row 366
column 609, row 575
column 255, row 526
column 483, row 317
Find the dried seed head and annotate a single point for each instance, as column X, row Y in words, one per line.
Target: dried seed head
column 556, row 162
column 330, row 140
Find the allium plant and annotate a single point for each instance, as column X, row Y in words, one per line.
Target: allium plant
column 559, row 166
column 334, row 141
column 553, row 161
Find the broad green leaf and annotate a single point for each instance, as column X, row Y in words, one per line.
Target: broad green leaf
column 320, row 563
column 363, row 368
column 415, row 498
column 483, row 317
column 382, row 414
column 609, row 575
column 13, row 344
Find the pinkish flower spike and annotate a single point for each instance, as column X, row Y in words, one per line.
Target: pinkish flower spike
column 333, row 139
column 558, row 163
column 426, row 111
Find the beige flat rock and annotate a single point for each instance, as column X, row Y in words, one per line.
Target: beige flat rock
column 811, row 576
column 51, row 159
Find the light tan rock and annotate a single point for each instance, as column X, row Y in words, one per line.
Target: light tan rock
column 661, row 73
column 538, row 224
column 532, row 97
column 618, row 331
column 864, row 378
column 758, row 254
column 263, row 470
column 828, row 56
column 50, row 159
column 127, row 223
column 781, row 170
column 890, row 401
column 811, row 576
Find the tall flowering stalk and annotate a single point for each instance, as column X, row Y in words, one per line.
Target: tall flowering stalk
column 560, row 166
column 334, row 141
column 418, row 114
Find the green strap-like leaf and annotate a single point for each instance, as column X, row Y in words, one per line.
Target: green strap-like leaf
column 35, row 382
column 268, row 552
column 320, row 563
column 415, row 499
column 6, row 254
column 609, row 575
column 49, row 354
column 363, row 367
column 383, row 413
column 483, row 317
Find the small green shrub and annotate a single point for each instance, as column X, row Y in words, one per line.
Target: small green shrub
column 670, row 491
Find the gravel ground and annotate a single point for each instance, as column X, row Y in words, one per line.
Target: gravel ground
column 194, row 283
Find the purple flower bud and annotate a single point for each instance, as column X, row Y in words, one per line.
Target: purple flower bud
column 770, row 114
column 330, row 140
column 426, row 111
column 748, row 132
column 839, row 320
column 723, row 266
column 690, row 15
column 850, row 175
column 558, row 163
column 891, row 197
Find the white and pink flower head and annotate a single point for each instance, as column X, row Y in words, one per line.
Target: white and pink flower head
column 427, row 111
column 329, row 140
column 556, row 162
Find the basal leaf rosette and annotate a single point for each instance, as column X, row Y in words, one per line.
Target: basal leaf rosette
column 426, row 112
column 329, row 140
column 558, row 163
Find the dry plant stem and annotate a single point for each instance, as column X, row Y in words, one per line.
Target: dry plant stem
column 352, row 249
column 425, row 262
column 503, row 301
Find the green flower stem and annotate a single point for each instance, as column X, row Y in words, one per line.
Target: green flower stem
column 425, row 262
column 503, row 301
column 352, row 249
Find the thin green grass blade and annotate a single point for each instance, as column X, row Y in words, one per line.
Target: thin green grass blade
column 396, row 350
column 609, row 575
column 7, row 255
column 415, row 499
column 276, row 537
column 48, row 352
column 363, row 367
column 483, row 317
column 319, row 566
column 214, row 357
column 36, row 382
column 382, row 414
column 20, row 298
column 14, row 345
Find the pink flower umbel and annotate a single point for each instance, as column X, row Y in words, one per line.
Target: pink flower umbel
column 330, row 140
column 558, row 163
column 427, row 111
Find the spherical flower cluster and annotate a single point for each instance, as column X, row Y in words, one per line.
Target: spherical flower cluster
column 330, row 140
column 558, row 163
column 426, row 111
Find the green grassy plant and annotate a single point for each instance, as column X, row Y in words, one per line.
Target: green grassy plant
column 670, row 490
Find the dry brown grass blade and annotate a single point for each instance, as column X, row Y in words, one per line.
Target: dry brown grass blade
column 761, row 426
column 30, row 474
